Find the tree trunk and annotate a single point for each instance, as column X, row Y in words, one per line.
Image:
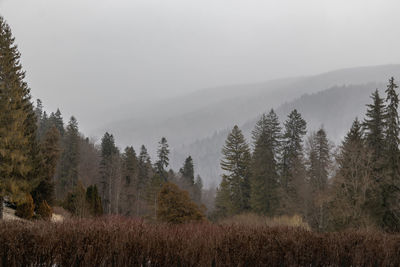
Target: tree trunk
column 1, row 207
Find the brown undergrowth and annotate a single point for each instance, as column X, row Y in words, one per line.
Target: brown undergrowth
column 117, row 241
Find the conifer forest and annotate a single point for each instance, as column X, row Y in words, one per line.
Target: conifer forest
column 301, row 171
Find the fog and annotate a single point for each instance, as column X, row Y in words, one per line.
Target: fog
column 104, row 59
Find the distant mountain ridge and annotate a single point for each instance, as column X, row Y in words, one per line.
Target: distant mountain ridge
column 196, row 117
column 333, row 109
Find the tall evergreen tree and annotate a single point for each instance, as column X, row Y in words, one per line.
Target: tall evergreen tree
column 374, row 127
column 130, row 185
column 198, row 188
column 292, row 165
column 236, row 164
column 264, row 180
column 391, row 185
column 16, row 119
column 68, row 179
column 319, row 163
column 51, row 153
column 109, row 169
column 187, row 171
column 56, row 120
column 163, row 158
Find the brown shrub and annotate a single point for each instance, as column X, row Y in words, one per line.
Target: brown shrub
column 121, row 242
column 251, row 219
column 45, row 211
column 25, row 208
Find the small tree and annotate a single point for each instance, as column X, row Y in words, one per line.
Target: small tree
column 25, row 209
column 175, row 206
column 45, row 211
column 94, row 201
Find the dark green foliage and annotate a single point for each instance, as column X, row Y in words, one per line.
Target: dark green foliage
column 68, row 176
column 163, row 157
column 319, row 162
column 109, row 168
column 197, row 190
column 236, row 164
column 50, row 149
column 374, row 128
column 264, row 197
column 292, row 165
column 391, row 184
column 130, row 193
column 94, row 201
column 187, row 171
column 75, row 202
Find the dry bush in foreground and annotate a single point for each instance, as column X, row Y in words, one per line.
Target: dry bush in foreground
column 122, row 242
column 251, row 219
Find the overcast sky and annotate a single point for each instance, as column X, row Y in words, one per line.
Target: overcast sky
column 92, row 56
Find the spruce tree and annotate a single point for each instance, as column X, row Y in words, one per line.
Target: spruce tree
column 187, row 171
column 198, row 188
column 17, row 120
column 236, row 164
column 50, row 149
column 319, row 163
column 163, row 158
column 109, row 168
column 130, row 184
column 264, row 179
column 391, row 185
column 68, row 176
column 56, row 120
column 292, row 164
column 374, row 127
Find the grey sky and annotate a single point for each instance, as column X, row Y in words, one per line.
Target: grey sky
column 92, row 56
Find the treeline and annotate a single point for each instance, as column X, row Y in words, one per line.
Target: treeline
column 356, row 185
column 44, row 162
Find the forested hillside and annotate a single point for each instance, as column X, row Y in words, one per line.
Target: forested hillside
column 334, row 109
column 197, row 115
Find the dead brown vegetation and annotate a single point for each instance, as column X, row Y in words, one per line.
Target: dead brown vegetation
column 121, row 242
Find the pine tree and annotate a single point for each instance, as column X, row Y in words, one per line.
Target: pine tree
column 223, row 202
column 163, row 157
column 374, row 128
column 292, row 165
column 236, row 164
column 319, row 163
column 187, row 171
column 109, row 166
column 145, row 173
column 16, row 119
column 56, row 120
column 198, row 188
column 50, row 149
column 391, row 185
column 68, row 179
column 264, row 180
column 130, row 185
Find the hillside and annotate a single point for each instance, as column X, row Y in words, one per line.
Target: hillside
column 194, row 116
column 334, row 109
